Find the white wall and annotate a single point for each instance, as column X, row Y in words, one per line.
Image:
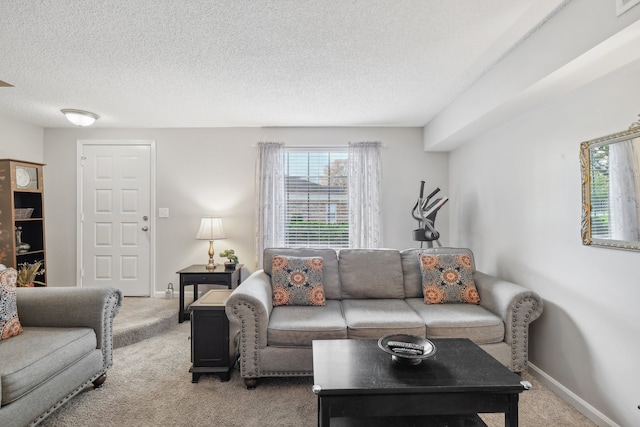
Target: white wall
column 211, row 171
column 20, row 141
column 531, row 71
column 517, row 204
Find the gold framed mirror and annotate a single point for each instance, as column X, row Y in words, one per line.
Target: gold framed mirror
column 610, row 170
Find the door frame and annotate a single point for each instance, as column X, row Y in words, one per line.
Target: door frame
column 81, row 143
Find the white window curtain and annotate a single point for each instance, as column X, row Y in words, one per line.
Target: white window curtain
column 365, row 189
column 623, row 164
column 270, row 198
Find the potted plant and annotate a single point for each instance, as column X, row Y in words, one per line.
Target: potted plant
column 233, row 259
column 27, row 274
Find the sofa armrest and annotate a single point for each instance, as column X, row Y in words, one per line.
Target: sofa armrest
column 517, row 306
column 250, row 305
column 72, row 307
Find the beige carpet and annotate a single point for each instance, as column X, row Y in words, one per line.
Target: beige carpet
column 141, row 318
column 150, row 385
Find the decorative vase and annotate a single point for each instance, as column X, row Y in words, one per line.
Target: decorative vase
column 229, row 265
column 21, row 247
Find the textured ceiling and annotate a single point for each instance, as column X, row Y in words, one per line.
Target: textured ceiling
column 203, row 63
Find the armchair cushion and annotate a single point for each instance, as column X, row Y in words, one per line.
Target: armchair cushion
column 9, row 322
column 38, row 355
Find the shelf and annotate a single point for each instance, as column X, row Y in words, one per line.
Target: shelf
column 31, row 253
column 20, row 194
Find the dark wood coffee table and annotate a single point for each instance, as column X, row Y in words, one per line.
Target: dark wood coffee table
column 358, row 384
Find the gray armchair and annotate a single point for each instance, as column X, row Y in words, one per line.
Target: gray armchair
column 66, row 345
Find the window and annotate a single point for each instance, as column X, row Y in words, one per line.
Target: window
column 316, row 198
column 600, row 209
column 332, row 212
column 327, row 197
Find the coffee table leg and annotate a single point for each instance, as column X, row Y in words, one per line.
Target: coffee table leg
column 511, row 417
column 323, row 413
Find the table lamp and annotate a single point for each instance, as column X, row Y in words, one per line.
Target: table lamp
column 210, row 229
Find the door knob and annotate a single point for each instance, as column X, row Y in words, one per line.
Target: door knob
column 146, row 218
column 145, row 228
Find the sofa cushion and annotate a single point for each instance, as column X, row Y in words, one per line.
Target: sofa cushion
column 448, row 278
column 411, row 267
column 459, row 321
column 371, row 273
column 293, row 326
column 330, row 273
column 375, row 318
column 9, row 322
column 411, row 273
column 39, row 354
column 297, row 281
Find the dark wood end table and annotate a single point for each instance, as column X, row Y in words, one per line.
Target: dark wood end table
column 210, row 336
column 357, row 382
column 198, row 274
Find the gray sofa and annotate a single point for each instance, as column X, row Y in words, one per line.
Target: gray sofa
column 369, row 294
column 65, row 346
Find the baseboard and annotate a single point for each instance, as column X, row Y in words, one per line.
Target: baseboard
column 571, row 398
column 188, row 295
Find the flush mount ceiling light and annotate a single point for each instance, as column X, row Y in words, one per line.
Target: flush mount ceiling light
column 80, row 117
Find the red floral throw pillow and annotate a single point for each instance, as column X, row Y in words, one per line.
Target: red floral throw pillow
column 448, row 278
column 9, row 323
column 297, row 281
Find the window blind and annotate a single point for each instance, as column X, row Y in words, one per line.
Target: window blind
column 316, row 186
column 600, row 209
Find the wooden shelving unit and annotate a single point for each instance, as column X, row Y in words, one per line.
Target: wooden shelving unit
column 21, row 188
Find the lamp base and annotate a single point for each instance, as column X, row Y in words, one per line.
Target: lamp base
column 211, row 265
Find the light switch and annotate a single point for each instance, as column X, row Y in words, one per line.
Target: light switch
column 163, row 212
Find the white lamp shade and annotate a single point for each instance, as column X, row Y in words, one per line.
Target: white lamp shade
column 210, row 229
column 80, row 117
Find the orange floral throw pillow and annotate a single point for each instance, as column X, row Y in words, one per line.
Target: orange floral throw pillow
column 9, row 323
column 448, row 278
column 297, row 281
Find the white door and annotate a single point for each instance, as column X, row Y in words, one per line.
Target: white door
column 115, row 216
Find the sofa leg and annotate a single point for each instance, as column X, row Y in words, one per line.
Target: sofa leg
column 251, row 383
column 100, row 380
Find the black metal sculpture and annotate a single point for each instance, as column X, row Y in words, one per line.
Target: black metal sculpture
column 425, row 213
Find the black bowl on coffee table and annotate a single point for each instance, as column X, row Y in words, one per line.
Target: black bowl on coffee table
column 407, row 349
